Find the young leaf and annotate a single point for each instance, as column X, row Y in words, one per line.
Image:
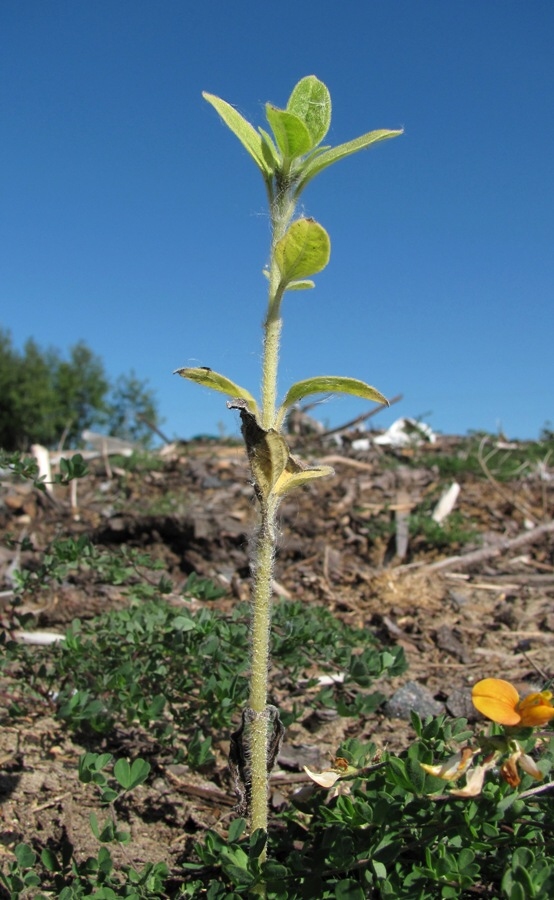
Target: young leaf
column 94, row 827
column 291, row 134
column 315, row 165
column 140, row 770
column 49, row 860
column 296, row 474
column 246, row 133
column 108, row 795
column 208, row 378
column 270, row 148
column 325, row 384
column 122, row 772
column 258, row 841
column 129, row 776
column 310, row 101
column 25, row 856
column 302, row 285
column 236, row 830
column 304, row 250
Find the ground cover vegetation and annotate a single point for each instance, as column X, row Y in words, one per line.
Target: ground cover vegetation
column 316, row 782
column 153, row 671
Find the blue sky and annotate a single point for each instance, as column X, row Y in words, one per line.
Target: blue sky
column 132, row 219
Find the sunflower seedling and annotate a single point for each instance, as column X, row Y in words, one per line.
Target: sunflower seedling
column 288, row 157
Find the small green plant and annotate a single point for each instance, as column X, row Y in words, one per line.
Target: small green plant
column 288, row 159
column 454, row 530
column 62, row 874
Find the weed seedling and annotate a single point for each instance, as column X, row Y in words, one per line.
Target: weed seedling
column 288, row 159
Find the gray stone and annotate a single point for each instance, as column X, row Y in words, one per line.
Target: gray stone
column 413, row 696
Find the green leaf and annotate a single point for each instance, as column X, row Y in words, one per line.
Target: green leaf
column 517, row 893
column 107, row 832
column 379, row 869
column 129, row 776
column 140, row 770
column 246, row 133
column 25, row 856
column 236, row 830
column 183, row 623
column 320, row 162
column 348, row 889
column 271, row 149
column 49, row 860
column 296, row 474
column 311, row 101
column 303, row 285
column 304, row 250
column 328, row 384
column 122, row 771
column 291, row 134
column 208, row 378
column 258, row 840
column 274, row 871
column 105, row 862
column 94, row 827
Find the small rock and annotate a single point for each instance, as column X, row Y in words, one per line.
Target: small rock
column 413, row 696
column 447, row 640
column 459, row 704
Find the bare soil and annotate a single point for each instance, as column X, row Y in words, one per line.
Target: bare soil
column 338, row 547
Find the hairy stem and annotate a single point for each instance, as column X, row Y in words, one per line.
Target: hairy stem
column 261, row 605
column 282, row 210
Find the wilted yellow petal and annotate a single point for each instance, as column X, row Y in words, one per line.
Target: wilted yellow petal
column 453, row 767
column 509, row 772
column 323, row 779
column 474, row 783
column 497, row 700
column 528, row 764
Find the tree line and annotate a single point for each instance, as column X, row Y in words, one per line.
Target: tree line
column 48, row 399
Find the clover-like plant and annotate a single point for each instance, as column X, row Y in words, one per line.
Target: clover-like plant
column 288, row 159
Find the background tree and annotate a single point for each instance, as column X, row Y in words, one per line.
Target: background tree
column 81, row 389
column 9, row 363
column 49, row 400
column 132, row 405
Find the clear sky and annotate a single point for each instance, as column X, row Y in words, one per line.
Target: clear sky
column 133, row 219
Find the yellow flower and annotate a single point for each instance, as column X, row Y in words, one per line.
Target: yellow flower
column 498, row 700
column 536, row 709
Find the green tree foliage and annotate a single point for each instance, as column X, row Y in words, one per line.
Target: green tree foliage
column 46, row 399
column 132, row 406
